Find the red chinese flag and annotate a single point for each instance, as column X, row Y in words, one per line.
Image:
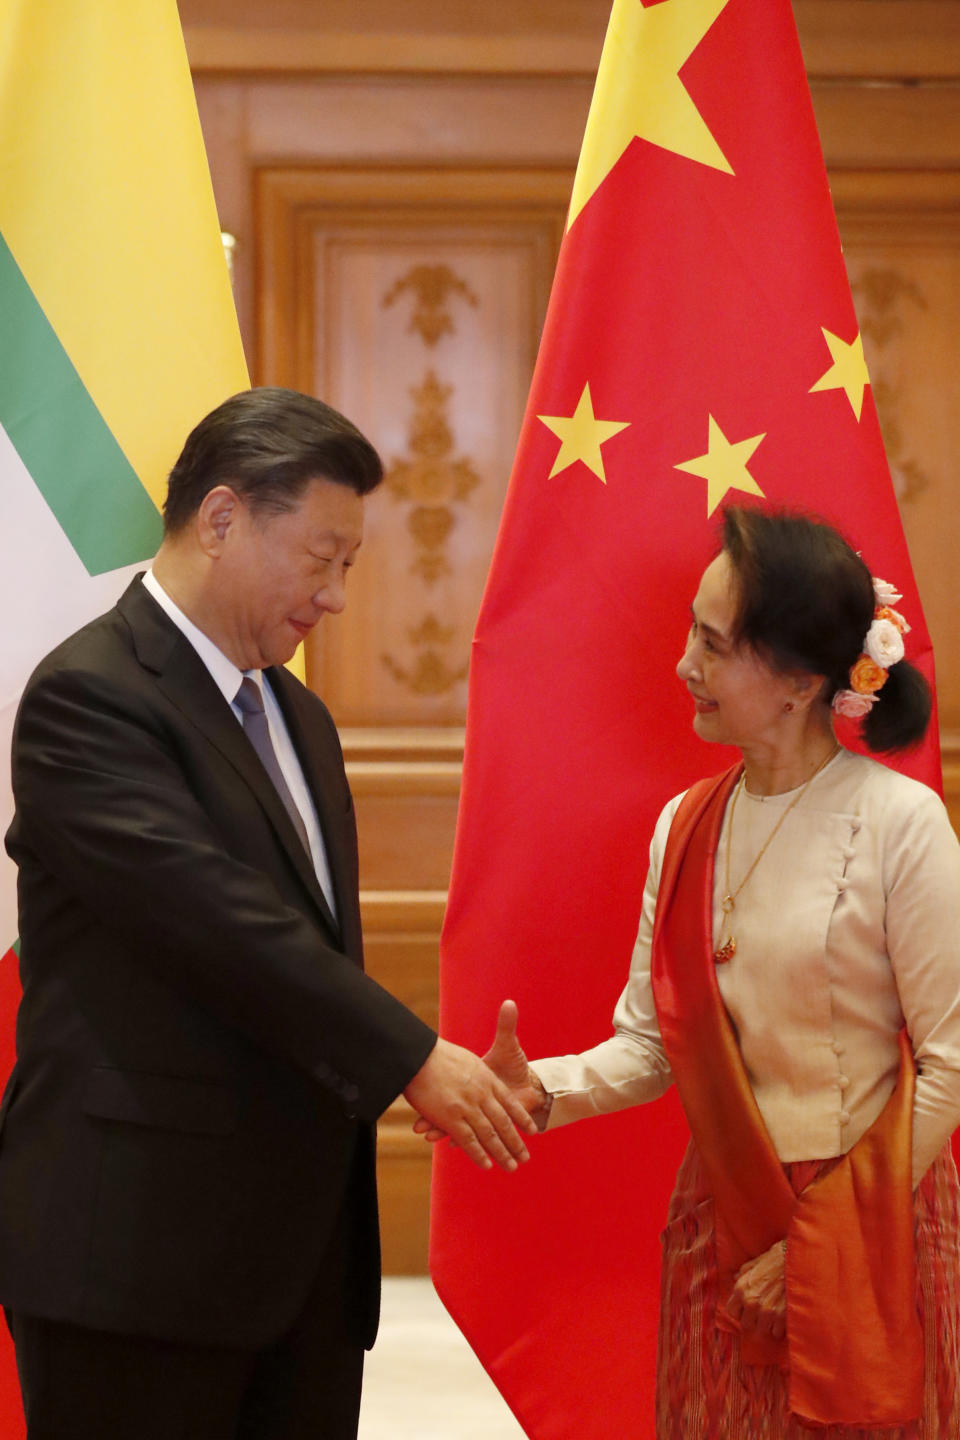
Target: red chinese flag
column 700, row 347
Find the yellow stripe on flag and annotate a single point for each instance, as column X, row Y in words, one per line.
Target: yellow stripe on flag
column 96, row 100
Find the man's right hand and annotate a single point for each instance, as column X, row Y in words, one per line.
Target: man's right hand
column 459, row 1096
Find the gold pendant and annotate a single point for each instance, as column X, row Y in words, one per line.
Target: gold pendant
column 729, row 947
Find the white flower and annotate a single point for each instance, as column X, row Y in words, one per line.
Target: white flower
column 848, row 702
column 886, row 595
column 884, row 643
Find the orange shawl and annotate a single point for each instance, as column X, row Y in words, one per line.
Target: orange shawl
column 854, row 1348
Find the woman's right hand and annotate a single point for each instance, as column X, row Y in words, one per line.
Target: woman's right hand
column 505, row 1056
column 509, row 1063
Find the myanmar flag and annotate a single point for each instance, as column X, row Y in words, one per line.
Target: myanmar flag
column 117, row 333
column 700, row 348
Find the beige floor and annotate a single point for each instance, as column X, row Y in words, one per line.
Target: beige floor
column 422, row 1380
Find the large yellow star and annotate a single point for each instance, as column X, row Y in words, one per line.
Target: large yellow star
column 639, row 92
column 724, row 467
column 582, row 435
column 848, row 371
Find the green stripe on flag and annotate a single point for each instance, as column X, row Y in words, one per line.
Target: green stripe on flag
column 63, row 440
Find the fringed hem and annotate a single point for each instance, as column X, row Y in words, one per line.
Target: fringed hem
column 706, row 1392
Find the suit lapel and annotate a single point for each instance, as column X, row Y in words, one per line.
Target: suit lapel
column 187, row 683
column 322, row 768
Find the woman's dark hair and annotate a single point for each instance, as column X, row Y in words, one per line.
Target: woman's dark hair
column 267, row 444
column 806, row 602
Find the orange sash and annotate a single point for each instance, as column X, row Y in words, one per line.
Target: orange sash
column 854, row 1346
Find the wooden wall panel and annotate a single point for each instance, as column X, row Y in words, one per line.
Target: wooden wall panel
column 901, row 231
column 406, row 840
column 893, row 39
column 412, row 300
column 902, row 244
column 951, row 778
column 401, row 932
column 400, row 940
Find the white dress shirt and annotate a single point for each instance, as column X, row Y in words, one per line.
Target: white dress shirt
column 227, row 677
column 848, row 928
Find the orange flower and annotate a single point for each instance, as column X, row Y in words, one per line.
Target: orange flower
column 884, row 612
column 867, row 676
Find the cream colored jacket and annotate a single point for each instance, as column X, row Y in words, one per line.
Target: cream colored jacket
column 848, row 928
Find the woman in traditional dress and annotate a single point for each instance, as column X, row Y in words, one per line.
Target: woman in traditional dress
column 797, row 975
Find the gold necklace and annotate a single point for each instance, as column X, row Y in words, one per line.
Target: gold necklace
column 728, row 947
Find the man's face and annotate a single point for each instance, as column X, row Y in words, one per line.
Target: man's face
column 277, row 574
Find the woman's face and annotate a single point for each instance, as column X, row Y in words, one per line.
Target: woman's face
column 738, row 699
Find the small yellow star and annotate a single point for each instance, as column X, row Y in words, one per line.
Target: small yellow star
column 582, row 435
column 848, row 371
column 639, row 93
column 724, row 466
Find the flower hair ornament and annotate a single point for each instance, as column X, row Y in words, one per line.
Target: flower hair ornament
column 882, row 647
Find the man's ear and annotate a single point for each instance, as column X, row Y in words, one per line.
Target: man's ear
column 217, row 513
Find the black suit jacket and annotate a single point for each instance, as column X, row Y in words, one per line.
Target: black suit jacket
column 200, row 1058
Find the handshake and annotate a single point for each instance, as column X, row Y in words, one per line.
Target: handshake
column 483, row 1106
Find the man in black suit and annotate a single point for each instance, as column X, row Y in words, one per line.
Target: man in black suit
column 188, row 1229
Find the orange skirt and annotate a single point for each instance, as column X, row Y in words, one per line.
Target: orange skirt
column 706, row 1392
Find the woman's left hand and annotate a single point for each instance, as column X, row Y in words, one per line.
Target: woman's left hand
column 759, row 1298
